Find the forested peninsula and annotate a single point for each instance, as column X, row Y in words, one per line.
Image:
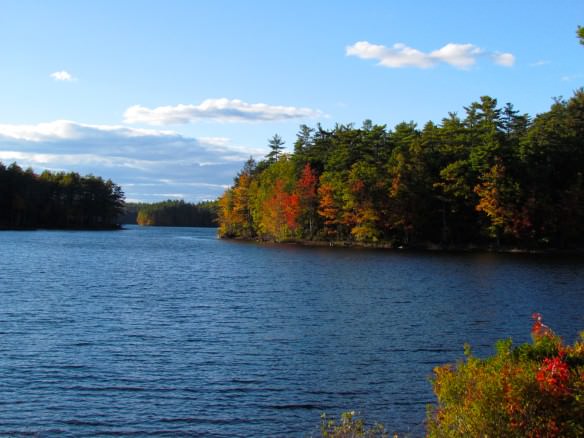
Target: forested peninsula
column 57, row 200
column 493, row 177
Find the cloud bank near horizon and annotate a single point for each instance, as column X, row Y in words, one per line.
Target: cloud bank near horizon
column 460, row 56
column 149, row 164
column 219, row 110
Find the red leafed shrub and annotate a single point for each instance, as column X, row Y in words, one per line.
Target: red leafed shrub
column 539, row 329
column 553, row 376
column 533, row 390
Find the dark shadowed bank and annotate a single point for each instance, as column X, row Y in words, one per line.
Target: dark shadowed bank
column 57, row 200
column 423, row 247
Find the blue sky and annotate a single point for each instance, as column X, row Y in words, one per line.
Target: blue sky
column 168, row 98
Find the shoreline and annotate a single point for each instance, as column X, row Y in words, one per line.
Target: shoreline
column 427, row 247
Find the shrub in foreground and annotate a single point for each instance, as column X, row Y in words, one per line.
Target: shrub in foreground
column 350, row 425
column 534, row 390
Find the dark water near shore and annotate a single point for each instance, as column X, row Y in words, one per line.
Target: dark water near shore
column 168, row 331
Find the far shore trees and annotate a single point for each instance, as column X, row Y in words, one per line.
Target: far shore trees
column 57, row 200
column 177, row 213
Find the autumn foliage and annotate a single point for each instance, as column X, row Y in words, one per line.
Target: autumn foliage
column 281, row 211
column 494, row 177
column 534, row 390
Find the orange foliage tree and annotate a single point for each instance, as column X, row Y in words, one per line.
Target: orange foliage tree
column 281, row 211
column 498, row 196
column 328, row 209
column 234, row 210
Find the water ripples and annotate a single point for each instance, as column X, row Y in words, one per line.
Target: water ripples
column 166, row 332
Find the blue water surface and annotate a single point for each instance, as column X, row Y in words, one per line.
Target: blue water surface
column 170, row 331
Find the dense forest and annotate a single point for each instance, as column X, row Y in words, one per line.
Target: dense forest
column 177, row 214
column 130, row 213
column 493, row 176
column 57, row 200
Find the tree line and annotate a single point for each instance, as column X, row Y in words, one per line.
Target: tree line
column 177, row 214
column 57, row 200
column 493, row 176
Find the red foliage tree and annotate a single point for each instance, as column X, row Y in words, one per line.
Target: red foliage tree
column 306, row 188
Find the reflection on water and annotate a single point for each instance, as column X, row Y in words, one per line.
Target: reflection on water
column 169, row 330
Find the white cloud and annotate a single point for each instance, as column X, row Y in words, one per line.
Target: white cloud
column 539, row 63
column 62, row 76
column 459, row 55
column 399, row 55
column 223, row 110
column 63, row 161
column 144, row 162
column 504, row 59
column 69, row 130
column 462, row 56
column 215, row 141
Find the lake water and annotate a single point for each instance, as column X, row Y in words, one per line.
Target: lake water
column 169, row 331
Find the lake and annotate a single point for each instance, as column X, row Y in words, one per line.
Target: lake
column 170, row 331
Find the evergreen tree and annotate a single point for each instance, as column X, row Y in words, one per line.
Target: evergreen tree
column 276, row 145
column 495, row 176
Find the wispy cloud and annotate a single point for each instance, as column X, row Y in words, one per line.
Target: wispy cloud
column 569, row 78
column 539, row 63
column 461, row 56
column 196, row 169
column 222, row 110
column 62, row 76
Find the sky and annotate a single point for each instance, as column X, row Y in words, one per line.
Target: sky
column 170, row 98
